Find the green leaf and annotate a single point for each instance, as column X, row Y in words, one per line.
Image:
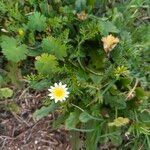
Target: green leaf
column 44, row 111
column 53, row 46
column 37, row 22
column 113, row 90
column 143, row 117
column 89, row 31
column 107, row 27
column 72, row 120
column 125, row 82
column 91, row 2
column 46, row 64
column 95, row 59
column 116, row 139
column 40, row 85
column 80, row 4
column 140, row 93
column 6, row 93
column 75, row 141
column 84, row 117
column 1, row 80
column 92, row 138
column 12, row 50
column 13, row 107
column 115, row 101
column 59, row 120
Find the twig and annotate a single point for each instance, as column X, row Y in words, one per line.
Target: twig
column 6, row 101
column 6, row 137
column 4, row 142
column 19, row 119
column 24, row 91
column 132, row 90
column 145, row 18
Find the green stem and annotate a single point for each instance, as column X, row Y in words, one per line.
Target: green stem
column 14, row 74
column 116, row 112
column 98, row 74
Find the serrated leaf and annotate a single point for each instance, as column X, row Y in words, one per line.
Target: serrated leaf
column 107, row 27
column 12, row 50
column 6, row 93
column 46, row 64
column 53, row 46
column 37, row 22
column 44, row 111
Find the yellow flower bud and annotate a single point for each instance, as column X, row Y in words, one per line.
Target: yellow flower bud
column 121, row 70
column 118, row 122
column 20, row 32
column 82, row 16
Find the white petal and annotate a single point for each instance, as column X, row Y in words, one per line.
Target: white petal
column 66, row 96
column 52, row 87
column 56, row 100
column 64, row 99
column 50, row 90
column 64, row 86
column 50, row 94
column 56, row 85
column 67, row 93
column 66, row 89
column 60, row 84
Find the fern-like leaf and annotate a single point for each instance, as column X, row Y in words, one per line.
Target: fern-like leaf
column 55, row 47
column 46, row 64
column 12, row 50
column 37, row 22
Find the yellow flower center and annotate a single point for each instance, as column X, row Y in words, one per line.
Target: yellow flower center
column 59, row 92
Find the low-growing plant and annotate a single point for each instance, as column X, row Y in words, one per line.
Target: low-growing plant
column 93, row 56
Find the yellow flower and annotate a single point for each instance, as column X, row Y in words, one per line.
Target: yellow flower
column 120, row 70
column 58, row 92
column 109, row 42
column 120, row 121
column 82, row 16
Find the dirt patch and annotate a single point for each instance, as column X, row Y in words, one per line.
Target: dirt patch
column 21, row 132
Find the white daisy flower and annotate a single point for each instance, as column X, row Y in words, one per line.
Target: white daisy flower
column 58, row 92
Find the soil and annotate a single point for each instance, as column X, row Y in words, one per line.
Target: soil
column 19, row 131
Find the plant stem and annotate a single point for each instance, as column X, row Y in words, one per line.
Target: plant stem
column 116, row 112
column 14, row 73
column 133, row 89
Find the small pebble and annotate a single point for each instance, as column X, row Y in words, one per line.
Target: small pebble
column 36, row 142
